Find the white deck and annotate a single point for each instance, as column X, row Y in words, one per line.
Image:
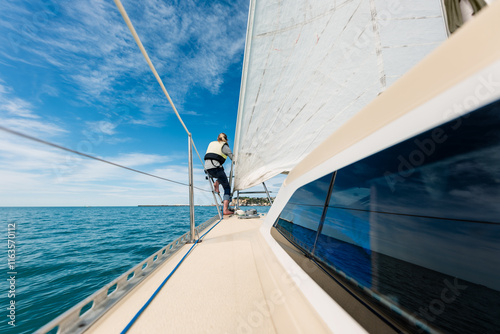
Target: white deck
column 230, row 283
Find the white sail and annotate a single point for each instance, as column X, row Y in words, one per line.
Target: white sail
column 309, row 67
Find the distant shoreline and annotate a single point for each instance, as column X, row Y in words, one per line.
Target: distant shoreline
column 173, row 205
column 117, row 206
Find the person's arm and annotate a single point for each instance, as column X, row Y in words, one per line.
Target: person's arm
column 227, row 151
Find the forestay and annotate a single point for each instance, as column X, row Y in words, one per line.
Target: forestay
column 311, row 65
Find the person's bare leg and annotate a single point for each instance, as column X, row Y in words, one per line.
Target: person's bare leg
column 216, row 186
column 226, row 208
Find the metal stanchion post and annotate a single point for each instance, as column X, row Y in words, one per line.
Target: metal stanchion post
column 267, row 192
column 191, row 189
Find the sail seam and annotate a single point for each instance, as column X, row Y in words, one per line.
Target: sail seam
column 378, row 46
column 410, row 18
column 408, row 45
column 306, row 22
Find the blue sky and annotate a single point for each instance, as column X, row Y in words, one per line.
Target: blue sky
column 71, row 73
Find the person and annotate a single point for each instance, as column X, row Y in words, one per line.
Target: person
column 217, row 153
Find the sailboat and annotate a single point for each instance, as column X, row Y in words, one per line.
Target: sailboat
column 388, row 220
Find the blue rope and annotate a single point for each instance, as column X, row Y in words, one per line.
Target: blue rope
column 138, row 314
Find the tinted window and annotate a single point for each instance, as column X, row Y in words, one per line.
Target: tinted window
column 301, row 217
column 418, row 225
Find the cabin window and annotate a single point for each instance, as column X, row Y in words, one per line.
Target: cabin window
column 301, row 217
column 415, row 227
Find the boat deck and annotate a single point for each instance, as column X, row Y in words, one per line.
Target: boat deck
column 231, row 282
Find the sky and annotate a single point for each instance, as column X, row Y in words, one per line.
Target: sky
column 71, row 74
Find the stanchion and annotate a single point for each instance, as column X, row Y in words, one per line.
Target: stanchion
column 191, row 189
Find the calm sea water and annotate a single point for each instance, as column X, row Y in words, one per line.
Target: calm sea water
column 63, row 255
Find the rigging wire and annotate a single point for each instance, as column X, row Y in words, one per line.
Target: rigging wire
column 198, row 153
column 148, row 60
column 90, row 156
column 127, row 20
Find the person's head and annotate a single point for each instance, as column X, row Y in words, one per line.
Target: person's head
column 222, row 137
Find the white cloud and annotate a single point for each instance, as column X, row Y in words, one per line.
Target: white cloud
column 49, row 90
column 17, row 107
column 94, row 60
column 3, row 88
column 191, row 44
column 141, row 159
column 12, row 105
column 33, row 174
column 105, row 127
column 32, row 127
column 93, row 83
column 19, row 115
column 23, row 155
column 117, row 140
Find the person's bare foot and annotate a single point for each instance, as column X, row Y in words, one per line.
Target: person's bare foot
column 216, row 186
column 227, row 213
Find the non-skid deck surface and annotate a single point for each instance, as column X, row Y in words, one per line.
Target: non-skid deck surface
column 230, row 283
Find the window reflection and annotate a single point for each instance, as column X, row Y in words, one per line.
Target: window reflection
column 415, row 223
column 300, row 219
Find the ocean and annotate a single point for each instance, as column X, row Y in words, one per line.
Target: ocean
column 64, row 254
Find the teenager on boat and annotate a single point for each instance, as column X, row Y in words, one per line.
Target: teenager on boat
column 217, row 153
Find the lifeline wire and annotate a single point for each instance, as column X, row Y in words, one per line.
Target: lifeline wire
column 89, row 156
column 138, row 314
